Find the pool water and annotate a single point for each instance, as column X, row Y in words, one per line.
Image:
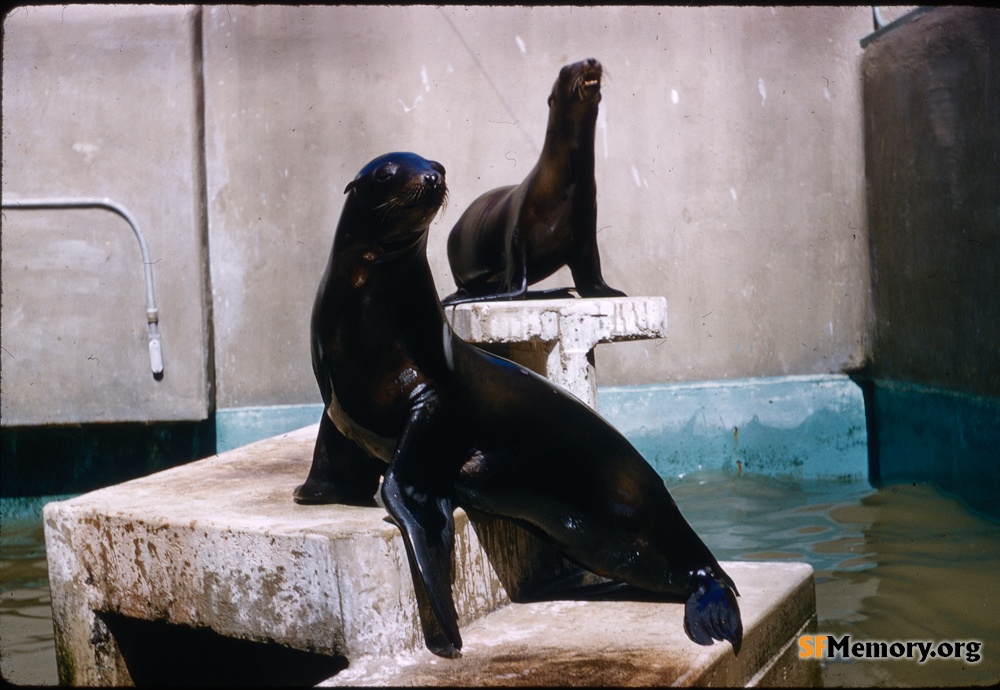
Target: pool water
column 27, row 651
column 905, row 562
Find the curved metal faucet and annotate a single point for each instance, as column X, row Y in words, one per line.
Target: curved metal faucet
column 152, row 315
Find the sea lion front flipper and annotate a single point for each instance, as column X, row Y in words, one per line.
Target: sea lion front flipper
column 341, row 471
column 711, row 611
column 422, row 509
column 585, row 267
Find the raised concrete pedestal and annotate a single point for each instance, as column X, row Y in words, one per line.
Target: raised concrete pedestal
column 556, row 338
column 142, row 571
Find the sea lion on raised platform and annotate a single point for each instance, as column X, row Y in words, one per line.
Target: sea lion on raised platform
column 449, row 424
column 512, row 237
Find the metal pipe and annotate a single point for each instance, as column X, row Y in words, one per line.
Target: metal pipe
column 879, row 22
column 152, row 315
column 882, row 27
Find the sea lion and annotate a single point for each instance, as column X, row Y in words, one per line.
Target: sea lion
column 512, row 237
column 449, row 424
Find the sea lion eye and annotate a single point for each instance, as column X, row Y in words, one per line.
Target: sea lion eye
column 385, row 172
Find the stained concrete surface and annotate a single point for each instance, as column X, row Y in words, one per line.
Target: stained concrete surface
column 621, row 643
column 219, row 544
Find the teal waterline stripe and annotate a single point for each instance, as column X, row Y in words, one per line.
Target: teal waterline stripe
column 238, row 426
column 808, row 427
column 801, row 427
column 24, row 512
column 929, row 434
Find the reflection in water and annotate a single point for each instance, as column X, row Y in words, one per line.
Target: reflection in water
column 902, row 563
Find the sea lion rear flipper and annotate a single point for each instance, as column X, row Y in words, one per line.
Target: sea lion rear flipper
column 423, row 512
column 711, row 611
column 341, row 472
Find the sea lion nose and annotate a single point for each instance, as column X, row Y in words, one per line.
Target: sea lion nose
column 431, row 179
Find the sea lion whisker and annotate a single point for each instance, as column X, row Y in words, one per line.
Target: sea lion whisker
column 410, row 196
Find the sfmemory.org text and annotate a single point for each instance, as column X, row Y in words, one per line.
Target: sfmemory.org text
column 815, row 646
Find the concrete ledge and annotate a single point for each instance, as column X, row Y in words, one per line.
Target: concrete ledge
column 615, row 643
column 219, row 544
column 556, row 338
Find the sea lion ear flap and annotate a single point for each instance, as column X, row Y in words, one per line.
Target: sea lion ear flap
column 352, row 184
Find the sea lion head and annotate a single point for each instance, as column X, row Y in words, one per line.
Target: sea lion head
column 400, row 193
column 578, row 83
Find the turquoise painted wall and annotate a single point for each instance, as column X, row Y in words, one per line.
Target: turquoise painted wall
column 806, row 427
column 935, row 435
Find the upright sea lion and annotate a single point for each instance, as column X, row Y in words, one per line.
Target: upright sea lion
column 512, row 237
column 449, row 424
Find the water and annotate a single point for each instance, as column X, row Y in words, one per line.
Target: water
column 906, row 562
column 902, row 563
column 27, row 652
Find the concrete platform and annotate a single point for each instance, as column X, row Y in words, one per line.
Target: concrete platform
column 621, row 643
column 556, row 338
column 219, row 545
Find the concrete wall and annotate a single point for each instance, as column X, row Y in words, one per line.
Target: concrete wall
column 932, row 136
column 102, row 102
column 729, row 171
column 729, row 168
column 932, row 133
